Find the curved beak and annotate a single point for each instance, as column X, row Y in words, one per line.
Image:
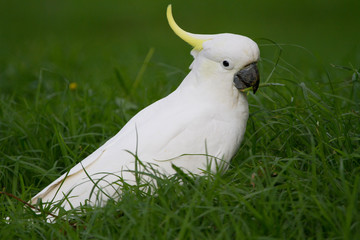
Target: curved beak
column 247, row 77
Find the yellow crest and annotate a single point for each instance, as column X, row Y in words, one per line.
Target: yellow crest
column 190, row 38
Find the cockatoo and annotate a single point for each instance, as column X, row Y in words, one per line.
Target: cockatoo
column 197, row 127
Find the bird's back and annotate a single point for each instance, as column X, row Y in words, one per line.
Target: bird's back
column 179, row 129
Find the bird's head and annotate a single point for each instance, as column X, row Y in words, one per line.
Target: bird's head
column 223, row 55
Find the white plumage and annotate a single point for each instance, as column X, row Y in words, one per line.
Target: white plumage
column 206, row 114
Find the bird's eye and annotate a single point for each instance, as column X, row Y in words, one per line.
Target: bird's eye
column 227, row 64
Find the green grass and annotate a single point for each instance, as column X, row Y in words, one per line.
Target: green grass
column 296, row 175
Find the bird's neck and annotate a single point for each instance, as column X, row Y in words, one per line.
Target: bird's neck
column 213, row 91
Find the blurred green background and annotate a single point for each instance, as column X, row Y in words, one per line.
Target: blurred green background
column 85, row 40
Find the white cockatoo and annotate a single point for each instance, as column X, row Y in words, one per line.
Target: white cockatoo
column 197, row 127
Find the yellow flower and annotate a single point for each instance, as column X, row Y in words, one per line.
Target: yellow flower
column 73, row 86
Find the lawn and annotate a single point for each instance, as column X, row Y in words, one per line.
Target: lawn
column 73, row 73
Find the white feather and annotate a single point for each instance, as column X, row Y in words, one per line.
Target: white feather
column 206, row 114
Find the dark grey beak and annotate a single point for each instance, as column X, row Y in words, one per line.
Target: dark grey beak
column 247, row 77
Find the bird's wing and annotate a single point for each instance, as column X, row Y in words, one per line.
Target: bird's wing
column 120, row 142
column 165, row 130
column 145, row 134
